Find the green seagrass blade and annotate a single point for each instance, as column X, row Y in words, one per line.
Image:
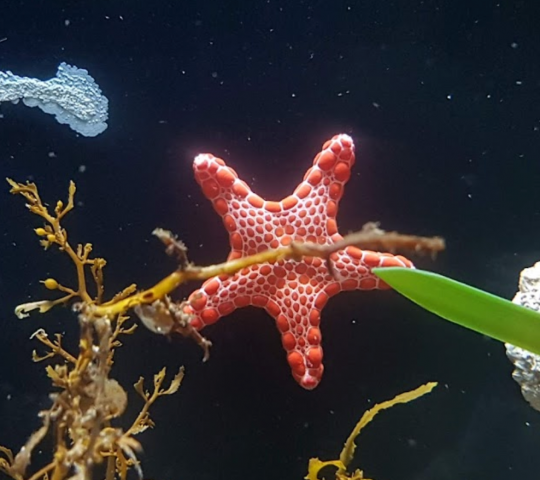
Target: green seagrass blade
column 467, row 306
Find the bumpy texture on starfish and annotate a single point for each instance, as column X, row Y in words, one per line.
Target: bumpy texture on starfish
column 292, row 292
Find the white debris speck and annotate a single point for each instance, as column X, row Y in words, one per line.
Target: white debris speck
column 51, row 155
column 72, row 96
column 67, row 22
column 449, row 97
column 82, row 168
column 514, row 45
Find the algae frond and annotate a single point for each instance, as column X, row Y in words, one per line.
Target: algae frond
column 86, row 400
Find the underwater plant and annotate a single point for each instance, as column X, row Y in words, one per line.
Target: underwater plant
column 470, row 307
column 86, row 400
column 517, row 322
column 347, row 453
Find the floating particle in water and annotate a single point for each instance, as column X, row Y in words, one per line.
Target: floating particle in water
column 72, row 96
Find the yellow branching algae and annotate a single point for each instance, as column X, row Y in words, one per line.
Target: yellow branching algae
column 86, row 401
column 347, row 454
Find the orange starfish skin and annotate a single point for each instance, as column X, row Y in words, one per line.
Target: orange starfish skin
column 292, row 292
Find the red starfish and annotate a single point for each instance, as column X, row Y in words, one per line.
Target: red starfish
column 293, row 292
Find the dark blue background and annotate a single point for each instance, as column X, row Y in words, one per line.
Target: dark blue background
column 442, row 100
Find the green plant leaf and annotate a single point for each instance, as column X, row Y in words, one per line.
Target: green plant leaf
column 467, row 306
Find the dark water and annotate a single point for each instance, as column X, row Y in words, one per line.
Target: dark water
column 441, row 98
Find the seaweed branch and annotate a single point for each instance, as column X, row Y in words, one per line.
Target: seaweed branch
column 371, row 236
column 347, row 453
column 86, row 401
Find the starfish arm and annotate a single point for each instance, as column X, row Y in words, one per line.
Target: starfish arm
column 352, row 268
column 243, row 212
column 321, row 190
column 220, row 296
